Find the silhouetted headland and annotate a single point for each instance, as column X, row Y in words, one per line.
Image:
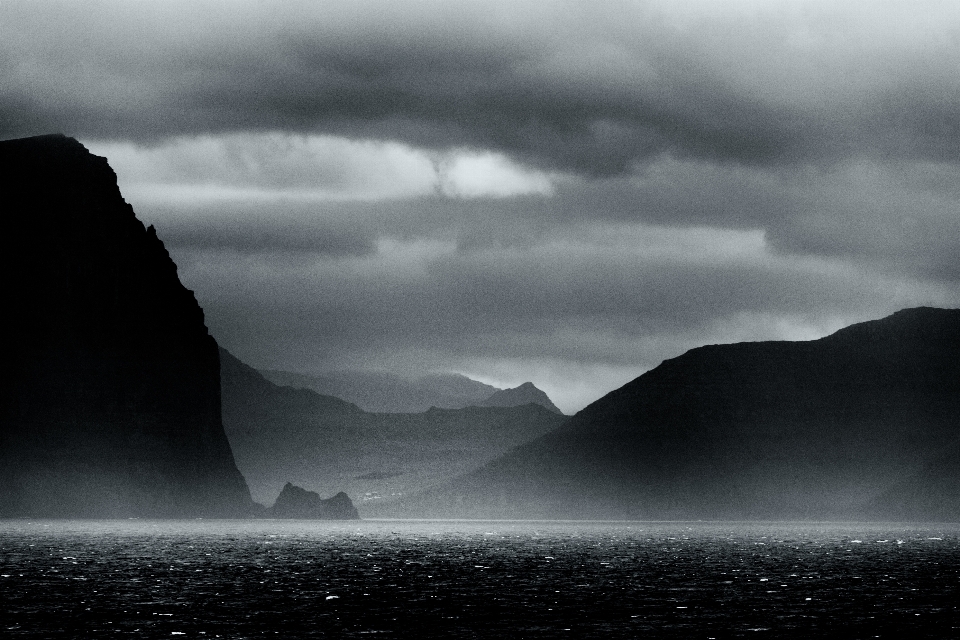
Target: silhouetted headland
column 860, row 425
column 111, row 387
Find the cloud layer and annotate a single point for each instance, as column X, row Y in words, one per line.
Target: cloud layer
column 561, row 191
column 588, row 87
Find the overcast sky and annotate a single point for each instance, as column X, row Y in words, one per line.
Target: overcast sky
column 560, row 192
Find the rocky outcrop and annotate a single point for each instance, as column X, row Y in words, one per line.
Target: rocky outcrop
column 526, row 393
column 111, row 389
column 296, row 502
column 862, row 424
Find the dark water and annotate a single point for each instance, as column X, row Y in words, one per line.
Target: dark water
column 298, row 579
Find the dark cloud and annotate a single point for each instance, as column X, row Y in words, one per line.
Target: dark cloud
column 587, row 302
column 593, row 90
column 257, row 228
column 869, row 215
column 898, row 218
column 515, row 189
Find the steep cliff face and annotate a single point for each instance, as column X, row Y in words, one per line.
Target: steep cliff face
column 862, row 424
column 111, row 389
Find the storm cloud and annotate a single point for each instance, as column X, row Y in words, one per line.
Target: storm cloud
column 588, row 87
column 567, row 192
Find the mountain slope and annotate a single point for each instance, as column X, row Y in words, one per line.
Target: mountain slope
column 860, row 424
column 389, row 393
column 324, row 444
column 111, row 402
column 524, row 394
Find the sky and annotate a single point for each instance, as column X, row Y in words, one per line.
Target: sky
column 566, row 193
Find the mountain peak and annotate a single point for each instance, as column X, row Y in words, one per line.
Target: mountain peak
column 526, row 393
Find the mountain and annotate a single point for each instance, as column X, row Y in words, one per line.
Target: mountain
column 382, row 392
column 861, row 424
column 111, row 391
column 524, row 394
column 325, row 444
column 389, row 393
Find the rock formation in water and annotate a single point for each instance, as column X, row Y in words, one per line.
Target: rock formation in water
column 524, row 394
column 111, row 389
column 296, row 502
column 861, row 424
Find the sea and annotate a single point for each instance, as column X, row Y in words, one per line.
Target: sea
column 477, row 579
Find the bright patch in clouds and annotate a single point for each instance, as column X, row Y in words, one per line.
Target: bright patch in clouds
column 489, row 174
column 296, row 167
column 265, row 166
column 700, row 245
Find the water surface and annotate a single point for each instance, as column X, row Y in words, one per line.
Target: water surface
column 468, row 579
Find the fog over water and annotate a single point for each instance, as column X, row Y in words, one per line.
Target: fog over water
column 539, row 579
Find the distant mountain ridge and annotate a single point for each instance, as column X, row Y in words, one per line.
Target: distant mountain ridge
column 861, row 424
column 526, row 393
column 282, row 434
column 382, row 392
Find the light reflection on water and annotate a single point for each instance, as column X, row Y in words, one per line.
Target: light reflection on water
column 302, row 579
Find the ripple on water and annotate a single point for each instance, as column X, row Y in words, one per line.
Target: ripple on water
column 464, row 579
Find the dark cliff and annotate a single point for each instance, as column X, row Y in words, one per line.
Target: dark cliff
column 862, row 424
column 111, row 389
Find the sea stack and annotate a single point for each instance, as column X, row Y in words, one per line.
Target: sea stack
column 297, row 502
column 111, row 389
